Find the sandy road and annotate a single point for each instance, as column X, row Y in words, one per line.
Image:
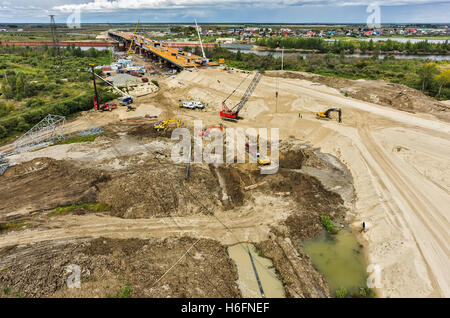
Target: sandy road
column 229, row 227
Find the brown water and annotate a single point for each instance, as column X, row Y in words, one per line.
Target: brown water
column 270, row 282
column 339, row 258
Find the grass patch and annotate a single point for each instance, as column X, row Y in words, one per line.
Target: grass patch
column 124, row 293
column 328, row 224
column 341, row 293
column 364, row 292
column 155, row 82
column 97, row 207
column 12, row 226
column 259, row 252
column 72, row 140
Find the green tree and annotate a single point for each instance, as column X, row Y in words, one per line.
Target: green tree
column 3, row 131
column 239, row 55
column 443, row 80
column 426, row 74
column 3, row 109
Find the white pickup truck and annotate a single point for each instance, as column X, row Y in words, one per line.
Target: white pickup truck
column 192, row 104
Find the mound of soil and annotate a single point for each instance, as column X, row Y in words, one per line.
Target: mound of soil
column 44, row 184
column 160, row 190
column 119, row 268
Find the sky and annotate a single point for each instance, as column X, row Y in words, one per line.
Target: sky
column 224, row 11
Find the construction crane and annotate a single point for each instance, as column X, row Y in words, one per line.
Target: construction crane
column 205, row 60
column 130, row 50
column 124, row 100
column 326, row 114
column 233, row 113
column 163, row 124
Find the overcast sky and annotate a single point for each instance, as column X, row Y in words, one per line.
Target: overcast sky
column 226, row 11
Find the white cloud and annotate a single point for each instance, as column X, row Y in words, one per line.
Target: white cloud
column 115, row 5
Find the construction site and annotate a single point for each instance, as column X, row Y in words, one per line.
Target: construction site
column 370, row 156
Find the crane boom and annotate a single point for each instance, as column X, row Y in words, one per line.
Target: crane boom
column 200, row 39
column 233, row 113
column 111, row 84
column 130, row 50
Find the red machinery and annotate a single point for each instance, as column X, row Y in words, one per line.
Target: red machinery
column 206, row 131
column 233, row 113
column 104, row 107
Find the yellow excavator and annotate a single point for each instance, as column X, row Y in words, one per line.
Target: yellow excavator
column 163, row 124
column 262, row 161
column 326, row 114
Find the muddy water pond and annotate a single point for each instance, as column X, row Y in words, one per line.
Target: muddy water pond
column 339, row 258
column 265, row 282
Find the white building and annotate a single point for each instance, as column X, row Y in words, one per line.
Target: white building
column 225, row 40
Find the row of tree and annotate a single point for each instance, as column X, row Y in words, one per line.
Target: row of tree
column 350, row 46
column 17, row 86
column 23, row 121
column 433, row 79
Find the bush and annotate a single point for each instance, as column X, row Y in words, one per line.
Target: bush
column 3, row 131
column 341, row 293
column 328, row 224
column 155, row 82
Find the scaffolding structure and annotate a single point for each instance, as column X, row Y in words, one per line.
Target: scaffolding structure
column 46, row 132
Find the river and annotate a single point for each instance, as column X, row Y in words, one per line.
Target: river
column 246, row 48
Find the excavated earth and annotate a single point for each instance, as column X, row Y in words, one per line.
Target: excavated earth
column 157, row 219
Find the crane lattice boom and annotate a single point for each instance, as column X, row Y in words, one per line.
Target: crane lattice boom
column 234, row 112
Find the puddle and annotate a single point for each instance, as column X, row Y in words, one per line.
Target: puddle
column 339, row 258
column 247, row 282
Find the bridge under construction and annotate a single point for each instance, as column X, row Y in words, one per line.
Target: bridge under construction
column 173, row 57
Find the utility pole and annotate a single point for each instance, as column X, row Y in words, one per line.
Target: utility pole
column 55, row 39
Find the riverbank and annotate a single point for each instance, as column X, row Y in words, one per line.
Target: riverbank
column 356, row 52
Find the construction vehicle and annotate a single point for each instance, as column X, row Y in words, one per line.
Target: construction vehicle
column 105, row 107
column 233, row 113
column 161, row 125
column 130, row 108
column 261, row 160
column 205, row 132
column 326, row 114
column 205, row 60
column 102, row 107
column 124, row 100
column 192, row 104
column 130, row 49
